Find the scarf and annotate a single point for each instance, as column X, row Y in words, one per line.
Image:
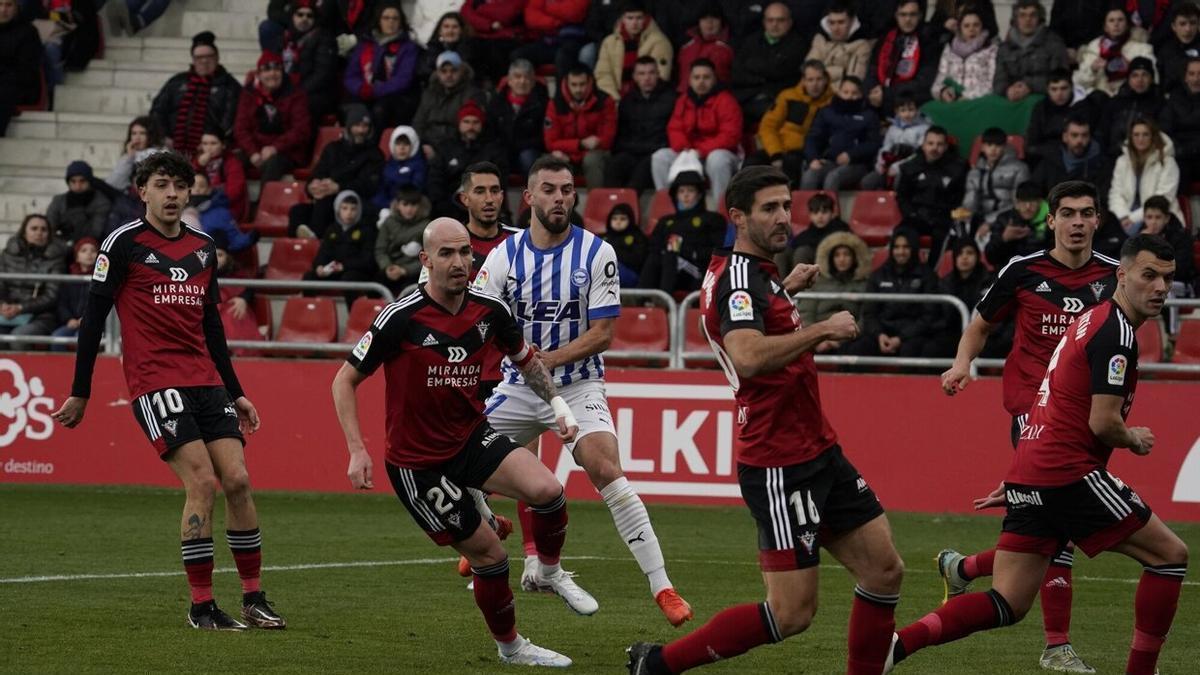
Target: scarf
column 899, row 58
column 293, row 46
column 366, row 61
column 266, row 112
column 1141, row 10
column 191, row 114
column 1072, row 163
column 628, row 59
column 515, row 100
column 964, row 48
column 1116, row 66
column 354, row 9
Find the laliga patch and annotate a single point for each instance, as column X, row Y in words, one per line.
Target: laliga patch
column 480, row 280
column 100, row 273
column 1116, row 369
column 360, row 349
column 740, row 307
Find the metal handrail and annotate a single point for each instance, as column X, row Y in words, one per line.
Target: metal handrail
column 372, row 286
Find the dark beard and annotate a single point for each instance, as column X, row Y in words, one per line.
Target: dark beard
column 552, row 228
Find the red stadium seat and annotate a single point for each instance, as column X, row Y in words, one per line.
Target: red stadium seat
column 694, row 340
column 325, row 136
column 247, row 262
column 383, row 142
column 722, row 209
column 245, row 328
column 1017, row 141
column 643, row 329
column 600, row 202
column 276, row 199
column 1150, row 343
column 291, row 258
column 660, row 207
column 308, row 320
column 878, row 257
column 800, row 216
column 946, row 264
column 262, row 311
column 362, row 313
column 1187, row 343
column 874, row 215
column 1185, row 206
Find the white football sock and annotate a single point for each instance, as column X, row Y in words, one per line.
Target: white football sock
column 633, row 524
column 510, row 648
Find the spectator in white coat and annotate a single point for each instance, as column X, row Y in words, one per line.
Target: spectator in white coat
column 968, row 64
column 1104, row 62
column 1145, row 169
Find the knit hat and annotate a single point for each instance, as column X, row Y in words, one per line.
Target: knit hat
column 1142, row 63
column 450, row 57
column 299, row 4
column 204, row 38
column 79, row 168
column 470, row 109
column 356, row 113
column 75, row 267
column 269, row 56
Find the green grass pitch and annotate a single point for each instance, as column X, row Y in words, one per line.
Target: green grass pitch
column 365, row 591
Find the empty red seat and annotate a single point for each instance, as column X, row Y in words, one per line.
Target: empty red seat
column 600, row 202
column 308, row 320
column 879, row 257
column 245, row 328
column 247, row 262
column 1150, row 342
column 661, row 206
column 874, row 215
column 946, row 264
column 362, row 313
column 800, row 215
column 325, row 136
column 642, row 329
column 291, row 258
column 694, row 340
column 1187, row 343
column 274, row 202
column 384, row 138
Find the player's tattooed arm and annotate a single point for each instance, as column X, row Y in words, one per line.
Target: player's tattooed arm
column 537, row 376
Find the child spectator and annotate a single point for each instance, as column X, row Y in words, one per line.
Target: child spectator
column 214, row 214
column 72, row 298
column 904, row 136
column 399, row 240
column 845, row 265
column 223, row 170
column 992, row 182
column 842, row 141
column 629, row 242
column 823, row 223
column 406, row 168
column 682, row 243
column 347, row 250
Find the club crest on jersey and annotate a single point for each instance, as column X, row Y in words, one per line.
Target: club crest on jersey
column 455, row 519
column 483, row 328
column 364, row 345
column 809, row 540
column 579, row 278
column 1116, row 369
column 100, row 273
column 740, row 307
column 203, row 256
column 1098, row 289
column 171, row 426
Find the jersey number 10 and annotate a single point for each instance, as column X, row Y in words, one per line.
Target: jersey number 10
column 167, row 400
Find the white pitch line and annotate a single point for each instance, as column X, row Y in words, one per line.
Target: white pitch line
column 436, row 561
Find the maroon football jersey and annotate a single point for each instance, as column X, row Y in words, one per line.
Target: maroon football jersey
column 1098, row 355
column 1045, row 295
column 433, row 362
column 482, row 246
column 160, row 286
column 779, row 415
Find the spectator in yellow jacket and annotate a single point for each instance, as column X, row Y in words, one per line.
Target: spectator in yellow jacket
column 783, row 129
column 634, row 36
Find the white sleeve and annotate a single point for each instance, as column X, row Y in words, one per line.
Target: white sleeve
column 493, row 275
column 604, row 293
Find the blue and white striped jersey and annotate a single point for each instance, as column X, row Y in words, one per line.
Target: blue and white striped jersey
column 555, row 294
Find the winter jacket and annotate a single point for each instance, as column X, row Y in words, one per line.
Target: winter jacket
column 70, row 221
column 704, row 124
column 642, row 120
column 481, row 14
column 547, row 18
column 222, row 101
column 1078, row 21
column 946, row 320
column 281, row 120
column 804, row 245
column 699, row 232
column 998, row 252
column 842, row 58
column 452, row 158
column 716, row 49
column 611, row 59
column 1179, row 236
column 631, row 247
column 367, row 74
column 928, row 191
column 1032, row 63
column 311, row 62
column 919, row 86
column 569, row 121
column 227, row 174
column 36, row 297
column 436, row 119
column 427, row 62
column 838, row 128
column 216, row 216
column 904, row 320
column 1160, row 177
column 399, row 241
column 73, row 298
column 974, row 73
column 762, row 68
column 352, row 167
column 20, row 62
column 411, row 172
column 519, row 129
column 353, row 245
column 1094, row 167
column 900, row 142
column 1180, row 121
column 1120, row 111
column 816, row 311
column 1172, row 58
column 1089, row 80
column 992, row 190
column 784, row 127
column 1043, row 136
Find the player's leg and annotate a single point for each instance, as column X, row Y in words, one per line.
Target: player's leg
column 869, row 554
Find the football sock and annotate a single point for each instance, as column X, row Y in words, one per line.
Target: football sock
column 495, row 600
column 1056, row 597
column 872, row 622
column 198, row 563
column 978, row 565
column 483, row 507
column 958, row 618
column 1153, row 610
column 526, row 519
column 633, row 524
column 512, row 646
column 729, row 633
column 549, row 532
column 246, row 546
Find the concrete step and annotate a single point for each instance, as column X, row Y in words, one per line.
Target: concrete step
column 57, row 154
column 33, row 185
column 242, row 26
column 69, row 126
column 225, row 6
column 48, row 173
column 105, row 101
column 143, row 75
column 235, row 62
column 226, row 44
column 16, row 206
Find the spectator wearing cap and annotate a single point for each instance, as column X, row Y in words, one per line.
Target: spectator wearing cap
column 310, row 59
column 905, row 58
column 967, row 67
column 930, row 186
column 223, row 169
column 517, row 114
column 1181, row 45
column 449, row 87
column 347, row 250
column 72, row 298
column 352, row 162
column 682, row 243
column 1180, row 121
column 708, row 121
column 635, row 35
column 498, row 26
column 992, row 182
column 1030, row 53
column 708, row 39
column 381, row 71
column 642, row 121
column 1146, row 168
column 767, row 62
column 213, row 212
column 20, row 63
column 450, row 34
column 1105, row 61
column 784, row 128
column 1138, row 97
column 203, row 97
column 405, row 169
column 841, row 43
column 842, row 141
column 455, row 155
column 555, row 32
column 581, row 123
column 1048, row 117
column 274, row 126
column 82, row 210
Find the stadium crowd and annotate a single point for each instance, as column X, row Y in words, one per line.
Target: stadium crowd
column 662, row 96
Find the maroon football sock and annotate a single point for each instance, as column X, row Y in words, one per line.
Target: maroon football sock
column 978, row 565
column 1056, row 605
column 872, row 622
column 1153, row 610
column 495, row 600
column 731, row 632
column 526, row 518
column 549, row 529
column 198, row 563
column 246, row 546
column 958, row 618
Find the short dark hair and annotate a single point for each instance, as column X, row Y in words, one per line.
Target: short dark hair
column 477, row 168
column 1147, row 242
column 904, row 99
column 1072, row 189
column 408, row 195
column 645, row 59
column 1029, row 191
column 579, row 69
column 1159, row 203
column 1187, row 9
column 702, row 62
column 747, row 182
column 1058, row 75
column 169, row 163
column 351, row 198
column 938, row 130
column 856, row 81
column 815, row 64
column 1079, row 120
column 820, row 202
column 549, row 163
column 841, row 7
column 994, row 136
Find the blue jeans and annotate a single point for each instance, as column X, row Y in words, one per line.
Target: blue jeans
column 142, row 13
column 63, row 331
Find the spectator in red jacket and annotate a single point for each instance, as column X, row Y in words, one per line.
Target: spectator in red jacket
column 707, row 119
column 709, row 40
column 223, row 169
column 581, row 123
column 556, row 32
column 499, row 27
column 273, row 127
